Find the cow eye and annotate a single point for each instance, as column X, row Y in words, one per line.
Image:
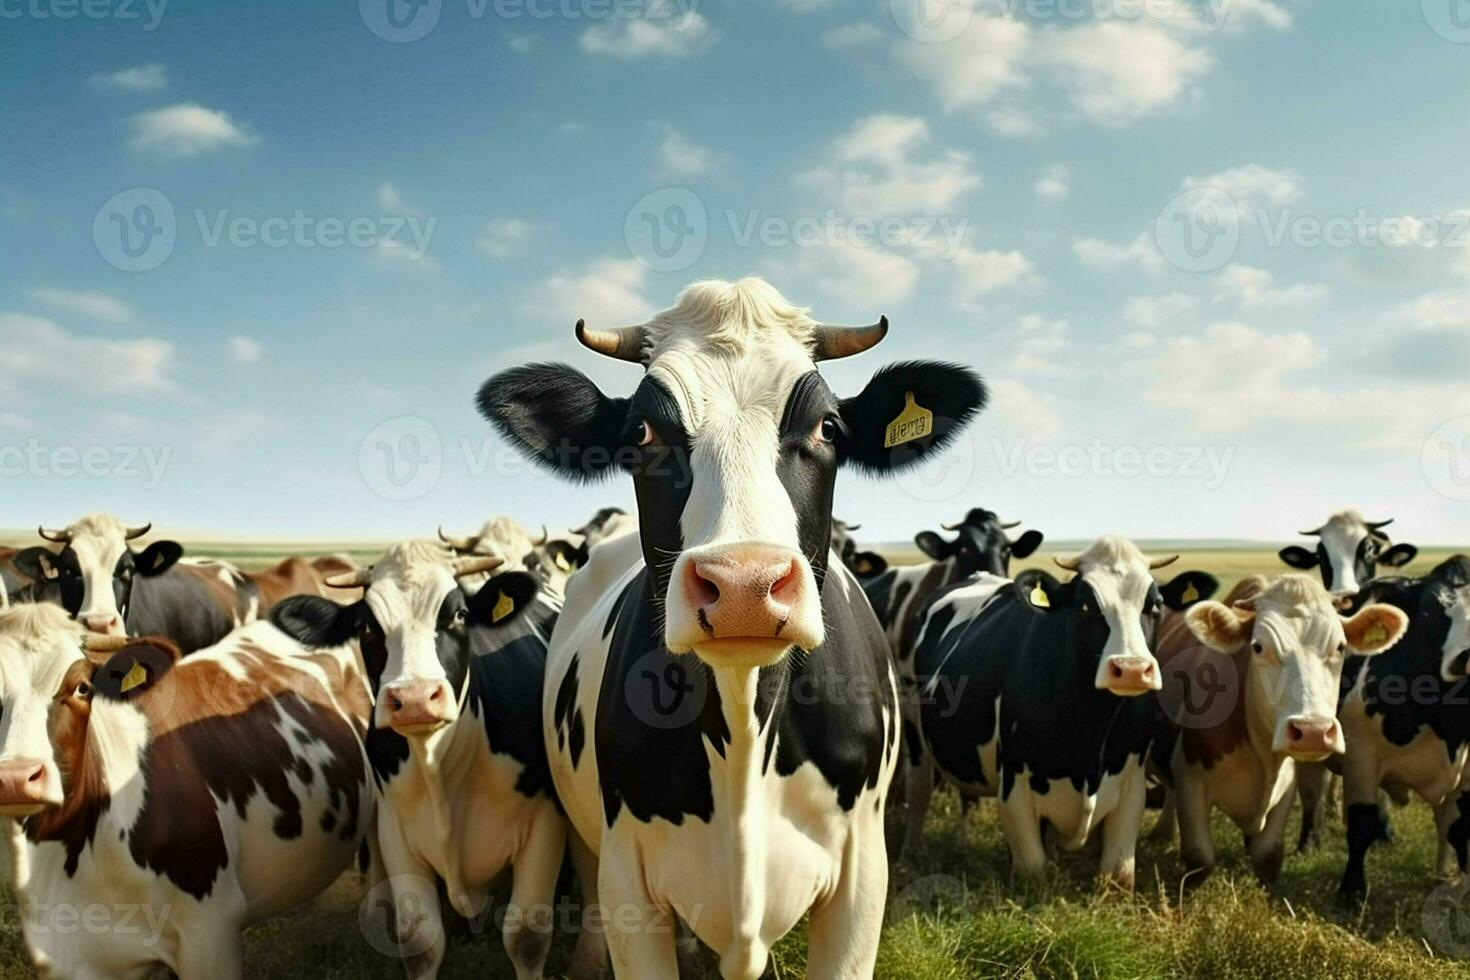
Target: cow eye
column 1256, row 647
column 82, row 690
column 645, row 434
column 826, row 430
column 458, row 620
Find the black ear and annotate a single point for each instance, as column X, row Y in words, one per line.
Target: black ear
column 134, row 669
column 868, row 564
column 503, row 598
column 1398, row 556
column 1037, row 590
column 1026, row 544
column 317, row 623
column 554, row 414
column 37, row 564
column 1187, row 588
column 933, row 545
column 158, row 558
column 1298, row 557
column 566, row 556
column 907, row 411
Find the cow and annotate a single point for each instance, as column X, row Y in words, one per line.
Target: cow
column 1407, row 721
column 1040, row 693
column 551, row 559
column 1349, row 551
column 863, row 564
column 14, row 585
column 302, row 576
column 1251, row 691
column 455, row 743
column 111, row 589
column 720, row 705
column 176, row 800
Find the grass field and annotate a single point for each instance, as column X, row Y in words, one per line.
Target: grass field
column 953, row 913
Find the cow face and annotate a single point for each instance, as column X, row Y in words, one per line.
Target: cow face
column 93, row 574
column 413, row 627
column 49, row 670
column 1447, row 598
column 1297, row 643
column 980, row 544
column 733, row 440
column 1349, row 551
column 863, row 564
column 1115, row 607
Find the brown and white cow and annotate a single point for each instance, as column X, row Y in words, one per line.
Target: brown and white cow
column 1251, row 690
column 303, row 576
column 172, row 802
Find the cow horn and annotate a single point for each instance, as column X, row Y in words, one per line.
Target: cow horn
column 1376, row 525
column 624, row 343
column 1162, row 562
column 953, row 527
column 830, row 342
column 458, row 544
column 1007, row 527
column 58, row 537
column 476, row 563
column 137, row 532
column 100, row 643
column 355, row 579
column 545, row 536
column 851, row 527
column 1070, row 564
column 1311, row 534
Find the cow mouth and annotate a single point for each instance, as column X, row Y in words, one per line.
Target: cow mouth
column 1311, row 756
column 20, row 811
column 758, row 651
column 420, row 728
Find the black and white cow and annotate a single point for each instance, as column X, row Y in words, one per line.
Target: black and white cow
column 1040, row 692
column 863, row 564
column 1407, row 718
column 111, row 589
column 455, row 743
column 721, row 708
column 1349, row 551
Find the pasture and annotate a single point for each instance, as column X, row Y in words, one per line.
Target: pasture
column 953, row 913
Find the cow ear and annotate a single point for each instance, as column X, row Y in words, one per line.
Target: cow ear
column 555, row 415
column 158, row 558
column 868, row 564
column 317, row 623
column 1374, row 629
column 931, row 544
column 1298, row 557
column 135, row 669
column 1398, row 556
column 565, row 556
column 1187, row 588
column 1218, row 626
column 1026, row 544
column 1038, row 590
column 37, row 564
column 503, row 598
column 907, row 411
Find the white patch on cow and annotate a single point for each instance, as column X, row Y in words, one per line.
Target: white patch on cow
column 38, row 643
column 1457, row 641
column 407, row 589
column 1341, row 537
column 1120, row 579
column 99, row 541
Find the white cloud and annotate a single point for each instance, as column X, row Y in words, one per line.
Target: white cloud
column 38, row 349
column 396, row 253
column 1054, row 184
column 1242, row 12
column 392, row 202
column 1253, row 186
column 885, row 167
column 244, row 350
column 610, row 292
column 1039, row 346
column 680, row 158
column 1106, row 256
column 1438, row 309
column 144, row 78
column 628, row 39
column 851, row 36
column 1159, row 311
column 807, row 6
column 1255, row 288
column 1016, row 407
column 186, row 130
column 503, row 236
column 99, row 306
column 1119, row 71
column 973, row 68
column 523, row 43
column 978, row 273
column 1013, row 122
column 16, row 421
column 858, row 276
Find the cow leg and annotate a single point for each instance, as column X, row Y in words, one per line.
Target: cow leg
column 1459, row 832
column 1445, row 816
column 589, row 958
column 1023, row 832
column 419, row 924
column 1196, row 846
column 1363, row 817
column 211, row 951
column 646, row 950
column 1120, row 831
column 843, row 938
column 920, row 788
column 527, row 929
column 1163, row 829
column 1310, row 777
column 1268, row 848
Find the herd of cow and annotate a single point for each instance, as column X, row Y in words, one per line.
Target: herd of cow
column 699, row 708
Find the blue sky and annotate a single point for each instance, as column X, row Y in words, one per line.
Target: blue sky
column 1009, row 184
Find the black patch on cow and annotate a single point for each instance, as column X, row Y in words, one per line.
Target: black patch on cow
column 567, row 717
column 952, row 392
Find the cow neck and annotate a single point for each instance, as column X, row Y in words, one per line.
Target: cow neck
column 1260, row 732
column 443, row 757
column 744, row 828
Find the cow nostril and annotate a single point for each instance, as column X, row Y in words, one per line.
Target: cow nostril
column 703, row 590
column 396, row 703
column 1117, row 671
column 1294, row 733
column 784, row 587
column 36, row 776
column 438, row 694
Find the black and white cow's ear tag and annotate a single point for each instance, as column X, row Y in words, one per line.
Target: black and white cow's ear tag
column 1190, row 594
column 1038, row 597
column 914, row 422
column 136, row 677
column 504, row 606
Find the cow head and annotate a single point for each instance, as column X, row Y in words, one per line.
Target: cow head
column 93, row 574
column 51, row 670
column 733, row 440
column 1349, row 551
column 863, row 564
column 1114, row 606
column 980, row 544
column 1439, row 607
column 413, row 626
column 500, row 537
column 1297, row 642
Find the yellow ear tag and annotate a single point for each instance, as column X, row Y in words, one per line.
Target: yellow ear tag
column 1376, row 634
column 1190, row 593
column 1038, row 597
column 136, row 677
column 504, row 606
column 562, row 563
column 914, row 422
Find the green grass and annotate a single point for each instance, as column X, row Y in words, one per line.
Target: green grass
column 954, row 914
